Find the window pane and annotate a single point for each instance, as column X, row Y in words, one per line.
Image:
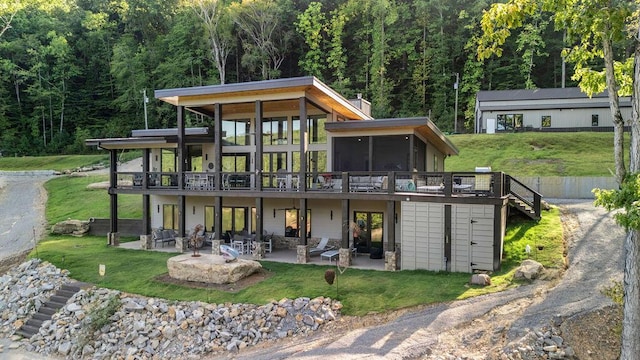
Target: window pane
column 594, row 120
column 274, row 131
column 291, row 222
column 227, row 219
column 209, row 218
column 168, row 160
column 295, row 127
column 254, row 220
column 546, row 121
column 517, row 118
column 239, row 219
column 315, row 127
column 167, row 216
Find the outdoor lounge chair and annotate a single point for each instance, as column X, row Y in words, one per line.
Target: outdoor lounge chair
column 322, row 247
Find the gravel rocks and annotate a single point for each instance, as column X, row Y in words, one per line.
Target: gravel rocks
column 102, row 323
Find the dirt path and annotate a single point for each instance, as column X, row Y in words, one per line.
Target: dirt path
column 479, row 328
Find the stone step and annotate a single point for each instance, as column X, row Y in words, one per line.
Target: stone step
column 55, row 302
column 27, row 331
column 41, row 316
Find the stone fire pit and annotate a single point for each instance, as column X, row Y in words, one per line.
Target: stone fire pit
column 208, row 268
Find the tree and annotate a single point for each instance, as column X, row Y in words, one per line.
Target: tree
column 310, row 25
column 267, row 41
column 218, row 25
column 596, row 26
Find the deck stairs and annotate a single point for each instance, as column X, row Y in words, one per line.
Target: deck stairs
column 524, row 199
column 46, row 311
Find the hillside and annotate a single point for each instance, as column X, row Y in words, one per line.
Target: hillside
column 535, row 153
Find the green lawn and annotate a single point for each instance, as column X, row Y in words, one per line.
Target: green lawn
column 61, row 162
column 535, row 153
column 361, row 291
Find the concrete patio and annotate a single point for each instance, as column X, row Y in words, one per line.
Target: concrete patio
column 359, row 261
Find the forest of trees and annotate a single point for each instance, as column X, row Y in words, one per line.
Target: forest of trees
column 76, row 69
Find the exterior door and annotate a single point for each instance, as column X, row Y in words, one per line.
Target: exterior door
column 368, row 230
column 472, row 238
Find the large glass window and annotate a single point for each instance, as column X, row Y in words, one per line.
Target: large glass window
column 274, row 131
column 368, row 229
column 274, row 161
column 235, row 162
column 292, row 222
column 236, row 132
column 234, row 219
column 209, row 218
column 170, row 216
column 315, row 127
column 295, row 130
column 168, row 160
column 194, row 158
column 508, row 122
column 594, row 120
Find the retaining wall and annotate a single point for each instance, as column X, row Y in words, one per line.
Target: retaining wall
column 568, row 187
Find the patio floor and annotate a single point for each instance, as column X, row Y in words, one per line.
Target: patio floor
column 360, row 261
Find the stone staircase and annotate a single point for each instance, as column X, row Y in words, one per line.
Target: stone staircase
column 55, row 303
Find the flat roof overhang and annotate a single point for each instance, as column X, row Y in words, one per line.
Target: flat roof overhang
column 153, row 139
column 421, row 125
column 276, row 95
column 131, row 143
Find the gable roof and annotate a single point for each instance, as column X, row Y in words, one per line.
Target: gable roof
column 536, row 94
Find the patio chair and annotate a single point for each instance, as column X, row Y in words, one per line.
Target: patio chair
column 322, row 247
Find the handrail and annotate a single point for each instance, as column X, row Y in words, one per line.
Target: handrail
column 492, row 184
column 524, row 194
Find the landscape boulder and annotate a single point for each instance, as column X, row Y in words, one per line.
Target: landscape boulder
column 480, row 279
column 70, row 227
column 529, row 270
column 212, row 269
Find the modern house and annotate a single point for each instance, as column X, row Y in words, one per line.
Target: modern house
column 294, row 159
column 558, row 109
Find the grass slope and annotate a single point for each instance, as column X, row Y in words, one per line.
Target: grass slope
column 535, row 153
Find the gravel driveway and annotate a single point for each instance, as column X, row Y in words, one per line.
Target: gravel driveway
column 22, row 203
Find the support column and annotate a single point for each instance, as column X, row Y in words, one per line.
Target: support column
column 217, row 217
column 304, row 138
column 217, row 156
column 302, row 252
column 146, row 240
column 259, row 148
column 344, row 243
column 259, row 218
column 302, row 222
column 390, row 225
column 113, row 238
column 392, row 255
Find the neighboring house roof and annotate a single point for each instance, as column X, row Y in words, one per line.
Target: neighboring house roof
column 422, row 125
column 552, row 98
column 277, row 93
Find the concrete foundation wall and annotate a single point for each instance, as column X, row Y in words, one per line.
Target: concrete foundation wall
column 568, row 187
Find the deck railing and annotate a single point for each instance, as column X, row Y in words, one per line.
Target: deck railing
column 420, row 182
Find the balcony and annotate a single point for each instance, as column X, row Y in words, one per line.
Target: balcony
column 394, row 182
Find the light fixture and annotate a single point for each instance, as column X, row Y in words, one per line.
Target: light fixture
column 194, row 209
column 331, row 214
column 158, row 208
